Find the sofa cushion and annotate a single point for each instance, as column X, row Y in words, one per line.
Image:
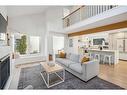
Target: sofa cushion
column 76, row 67
column 64, row 61
column 68, row 55
column 74, row 57
column 59, row 59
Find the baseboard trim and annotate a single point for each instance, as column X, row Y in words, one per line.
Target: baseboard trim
column 122, row 59
column 18, row 65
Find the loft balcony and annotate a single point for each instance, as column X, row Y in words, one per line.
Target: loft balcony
column 86, row 17
column 83, row 13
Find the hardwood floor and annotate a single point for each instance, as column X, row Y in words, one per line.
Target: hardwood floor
column 115, row 74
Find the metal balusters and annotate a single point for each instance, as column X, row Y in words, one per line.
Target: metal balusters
column 85, row 12
column 96, row 10
column 106, row 7
column 101, row 9
column 90, row 11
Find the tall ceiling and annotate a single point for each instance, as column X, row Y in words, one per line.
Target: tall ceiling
column 14, row 11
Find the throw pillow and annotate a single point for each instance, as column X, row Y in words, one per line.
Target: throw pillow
column 85, row 59
column 62, row 54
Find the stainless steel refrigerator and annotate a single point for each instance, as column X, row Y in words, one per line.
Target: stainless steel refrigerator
column 122, row 45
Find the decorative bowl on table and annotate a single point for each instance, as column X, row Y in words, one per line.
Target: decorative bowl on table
column 51, row 63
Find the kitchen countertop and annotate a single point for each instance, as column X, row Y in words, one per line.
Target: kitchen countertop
column 102, row 50
column 114, row 53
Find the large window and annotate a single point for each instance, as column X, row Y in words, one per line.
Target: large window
column 2, row 39
column 31, row 44
column 34, row 44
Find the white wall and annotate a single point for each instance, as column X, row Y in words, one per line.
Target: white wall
column 50, row 41
column 54, row 26
column 3, row 11
column 32, row 25
column 54, row 19
column 58, row 43
column 73, row 49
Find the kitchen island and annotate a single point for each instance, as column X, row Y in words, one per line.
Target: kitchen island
column 113, row 53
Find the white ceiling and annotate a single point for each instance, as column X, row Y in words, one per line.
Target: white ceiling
column 14, row 11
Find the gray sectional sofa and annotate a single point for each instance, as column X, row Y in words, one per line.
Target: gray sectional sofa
column 84, row 71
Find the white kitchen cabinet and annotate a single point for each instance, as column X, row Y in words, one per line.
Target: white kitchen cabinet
column 118, row 41
column 125, row 34
column 120, row 45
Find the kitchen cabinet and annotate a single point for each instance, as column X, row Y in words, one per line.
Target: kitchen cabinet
column 118, row 41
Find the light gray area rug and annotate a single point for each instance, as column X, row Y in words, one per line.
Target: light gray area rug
column 31, row 76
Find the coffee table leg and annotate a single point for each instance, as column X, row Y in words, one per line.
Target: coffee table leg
column 48, row 80
column 63, row 75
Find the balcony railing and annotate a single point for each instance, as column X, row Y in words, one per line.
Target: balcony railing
column 85, row 12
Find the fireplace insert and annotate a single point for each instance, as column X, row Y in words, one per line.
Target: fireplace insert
column 4, row 70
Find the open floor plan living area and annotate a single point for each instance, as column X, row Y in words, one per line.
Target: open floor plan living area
column 63, row 47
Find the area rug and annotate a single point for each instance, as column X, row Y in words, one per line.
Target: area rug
column 31, row 76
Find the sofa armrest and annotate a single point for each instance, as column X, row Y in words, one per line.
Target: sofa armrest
column 56, row 55
column 90, row 68
column 90, row 62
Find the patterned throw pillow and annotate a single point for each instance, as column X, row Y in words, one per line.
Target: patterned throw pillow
column 85, row 59
column 62, row 54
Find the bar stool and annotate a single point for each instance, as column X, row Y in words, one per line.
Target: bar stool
column 97, row 56
column 91, row 55
column 108, row 57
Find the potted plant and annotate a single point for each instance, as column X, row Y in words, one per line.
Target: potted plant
column 22, row 46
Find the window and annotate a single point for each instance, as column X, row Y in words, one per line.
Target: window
column 34, row 44
column 2, row 36
column 2, row 39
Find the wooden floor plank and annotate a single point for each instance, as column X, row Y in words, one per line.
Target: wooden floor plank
column 115, row 74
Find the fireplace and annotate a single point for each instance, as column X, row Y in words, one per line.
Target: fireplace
column 4, row 70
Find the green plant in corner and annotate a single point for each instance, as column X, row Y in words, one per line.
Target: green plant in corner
column 21, row 46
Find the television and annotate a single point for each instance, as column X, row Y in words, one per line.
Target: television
column 3, row 28
column 98, row 41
